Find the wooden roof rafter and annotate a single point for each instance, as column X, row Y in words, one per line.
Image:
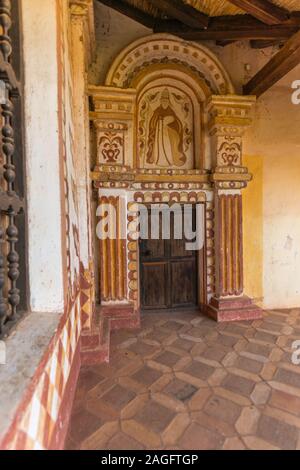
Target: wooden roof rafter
column 264, row 25
column 182, row 12
column 263, row 10
column 278, row 66
column 131, row 11
column 232, row 28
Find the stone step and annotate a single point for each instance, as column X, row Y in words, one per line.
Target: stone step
column 236, row 303
column 95, row 347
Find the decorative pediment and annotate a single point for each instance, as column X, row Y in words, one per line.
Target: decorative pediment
column 169, row 106
column 163, row 51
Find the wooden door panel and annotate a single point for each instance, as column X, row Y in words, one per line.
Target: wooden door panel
column 152, row 250
column 183, row 283
column 155, row 279
column 178, row 245
column 178, row 249
column 168, row 271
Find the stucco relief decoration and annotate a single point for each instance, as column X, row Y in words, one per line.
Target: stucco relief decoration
column 230, row 150
column 111, row 143
column 165, row 129
column 167, row 49
column 69, row 161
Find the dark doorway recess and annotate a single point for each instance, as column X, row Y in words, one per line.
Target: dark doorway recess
column 168, row 271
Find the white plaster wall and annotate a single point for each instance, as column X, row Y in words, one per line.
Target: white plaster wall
column 42, row 156
column 275, row 137
column 113, row 33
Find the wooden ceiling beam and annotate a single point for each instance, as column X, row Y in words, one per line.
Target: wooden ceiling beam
column 184, row 13
column 132, row 12
column 232, row 28
column 224, row 43
column 280, row 64
column 263, row 10
column 258, row 44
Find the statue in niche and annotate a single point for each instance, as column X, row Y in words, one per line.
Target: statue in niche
column 165, row 146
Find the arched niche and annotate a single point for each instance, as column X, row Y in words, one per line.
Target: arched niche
column 169, row 125
column 151, row 112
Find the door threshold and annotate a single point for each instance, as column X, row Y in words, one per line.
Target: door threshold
column 194, row 308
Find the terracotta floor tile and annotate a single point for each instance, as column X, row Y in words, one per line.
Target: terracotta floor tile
column 227, row 340
column 278, row 433
column 180, row 390
column 82, row 425
column 287, row 377
column 198, row 438
column 285, row 401
column 223, row 409
column 167, row 358
column 173, row 325
column 155, row 416
column 183, row 344
column 258, row 349
column 213, row 423
column 199, row 332
column 157, row 335
column 146, row 375
column 118, row 397
column 123, row 442
column 238, row 384
column 248, row 365
column 200, row 370
column 70, row 444
column 142, row 349
column 88, row 379
column 184, row 380
column 234, row 329
column 265, row 337
column 215, row 353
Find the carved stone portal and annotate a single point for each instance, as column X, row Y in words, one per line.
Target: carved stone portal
column 169, row 128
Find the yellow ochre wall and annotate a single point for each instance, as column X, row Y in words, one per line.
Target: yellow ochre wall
column 253, row 230
column 272, row 199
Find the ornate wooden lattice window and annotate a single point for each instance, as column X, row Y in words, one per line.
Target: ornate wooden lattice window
column 12, row 217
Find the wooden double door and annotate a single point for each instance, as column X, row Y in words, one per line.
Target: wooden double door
column 168, row 270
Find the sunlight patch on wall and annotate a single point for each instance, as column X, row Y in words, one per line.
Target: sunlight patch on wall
column 253, row 229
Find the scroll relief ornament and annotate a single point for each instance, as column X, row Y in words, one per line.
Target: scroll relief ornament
column 229, row 150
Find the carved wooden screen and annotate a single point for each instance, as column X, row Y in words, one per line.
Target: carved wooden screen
column 12, row 227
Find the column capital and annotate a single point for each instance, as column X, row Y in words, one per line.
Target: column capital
column 82, row 12
column 229, row 114
column 228, row 118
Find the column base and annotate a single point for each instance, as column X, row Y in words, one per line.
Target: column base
column 233, row 309
column 121, row 316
